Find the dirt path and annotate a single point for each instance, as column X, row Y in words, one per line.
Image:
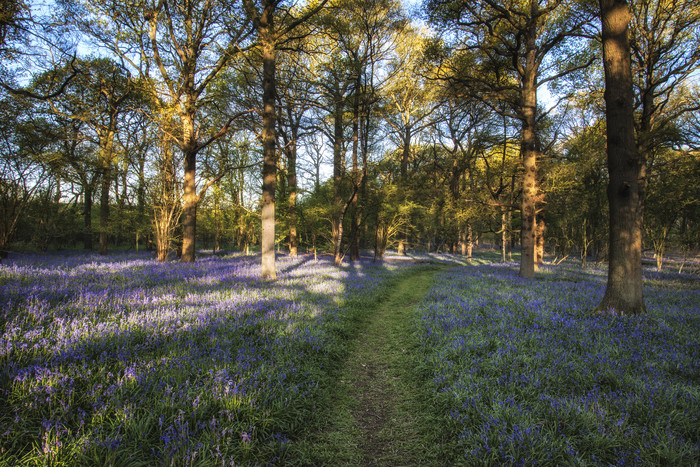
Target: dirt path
column 381, row 400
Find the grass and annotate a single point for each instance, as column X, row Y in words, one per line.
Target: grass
column 374, row 415
column 522, row 374
column 125, row 361
column 121, row 360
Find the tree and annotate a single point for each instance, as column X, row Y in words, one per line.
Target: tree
column 334, row 84
column 77, row 162
column 576, row 200
column 11, row 18
column 665, row 48
column 164, row 191
column 21, row 176
column 623, row 293
column 359, row 35
column 98, row 97
column 178, row 52
column 463, row 128
column 272, row 33
column 505, row 56
column 408, row 100
column 295, row 101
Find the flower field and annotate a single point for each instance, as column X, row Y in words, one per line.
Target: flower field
column 122, row 360
column 521, row 373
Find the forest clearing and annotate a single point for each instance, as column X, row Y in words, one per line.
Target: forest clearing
column 124, row 360
column 349, row 232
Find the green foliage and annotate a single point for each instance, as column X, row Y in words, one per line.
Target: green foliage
column 673, row 223
column 576, row 201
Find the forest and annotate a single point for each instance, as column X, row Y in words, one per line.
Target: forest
column 207, row 206
column 368, row 130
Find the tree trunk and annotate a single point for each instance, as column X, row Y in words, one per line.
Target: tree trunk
column 104, row 208
column 539, row 250
column 529, row 151
column 292, row 185
column 338, row 169
column 504, row 234
column 354, row 219
column 337, row 247
column 87, row 218
column 406, row 152
column 470, row 242
column 269, row 170
column 189, row 205
column 623, row 293
column 338, row 257
column 106, row 160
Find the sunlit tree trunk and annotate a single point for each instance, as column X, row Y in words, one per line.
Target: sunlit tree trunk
column 504, row 234
column 470, row 242
column 269, row 170
column 509, row 219
column 529, row 152
column 189, row 214
column 292, row 185
column 539, row 248
column 337, row 247
column 623, row 293
column 338, row 169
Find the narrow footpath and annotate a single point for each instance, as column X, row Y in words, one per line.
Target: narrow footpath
column 376, row 417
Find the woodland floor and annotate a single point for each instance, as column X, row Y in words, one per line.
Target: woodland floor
column 376, row 413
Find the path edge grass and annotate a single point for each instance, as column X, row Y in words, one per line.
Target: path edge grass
column 331, row 436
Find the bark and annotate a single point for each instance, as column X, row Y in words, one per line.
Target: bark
column 338, row 256
column 269, row 170
column 87, row 218
column 338, row 169
column 470, row 242
column 623, row 293
column 406, row 153
column 379, row 243
column 189, row 213
column 504, row 234
column 104, row 208
column 539, row 249
column 529, row 151
column 292, row 185
column 337, row 246
column 355, row 218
